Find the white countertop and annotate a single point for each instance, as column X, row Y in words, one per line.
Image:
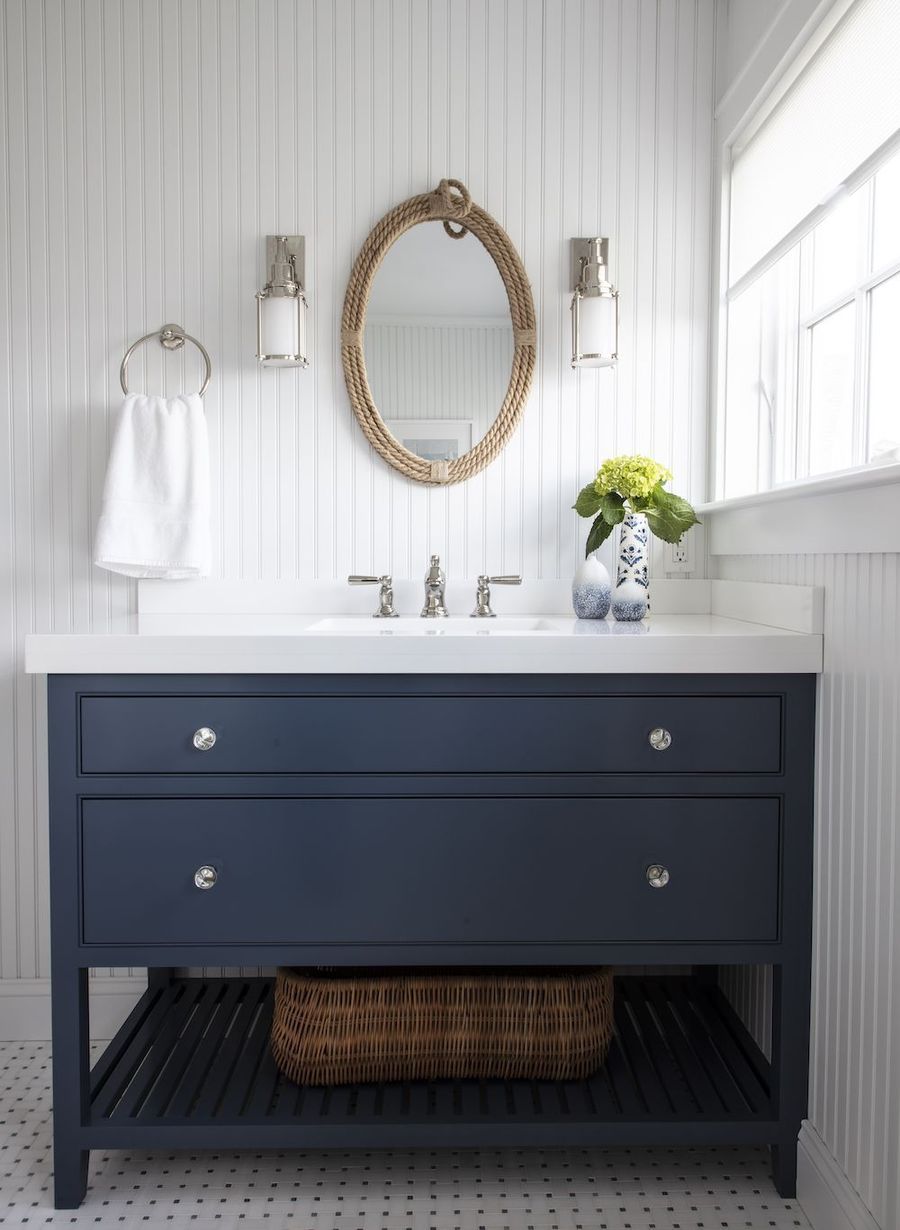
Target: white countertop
column 286, row 643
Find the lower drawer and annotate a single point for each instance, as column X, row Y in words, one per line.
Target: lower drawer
column 397, row 871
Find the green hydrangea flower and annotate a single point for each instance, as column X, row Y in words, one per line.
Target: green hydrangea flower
column 635, row 484
column 633, row 477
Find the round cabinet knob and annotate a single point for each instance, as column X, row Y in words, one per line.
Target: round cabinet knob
column 204, row 739
column 660, row 739
column 657, row 875
column 205, row 877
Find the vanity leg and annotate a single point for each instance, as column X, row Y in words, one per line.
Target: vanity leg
column 71, row 1078
column 784, row 1169
column 790, row 1067
column 70, row 1175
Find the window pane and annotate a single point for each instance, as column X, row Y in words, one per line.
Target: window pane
column 887, row 213
column 884, row 369
column 742, row 396
column 761, row 396
column 831, row 392
column 836, row 250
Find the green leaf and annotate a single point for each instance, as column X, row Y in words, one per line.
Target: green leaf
column 669, row 516
column 588, row 502
column 612, row 508
column 600, row 531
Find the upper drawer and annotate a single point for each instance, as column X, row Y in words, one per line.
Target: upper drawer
column 431, row 734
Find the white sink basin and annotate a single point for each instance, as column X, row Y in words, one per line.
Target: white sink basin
column 453, row 625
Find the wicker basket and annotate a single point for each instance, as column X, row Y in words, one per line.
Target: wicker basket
column 344, row 1027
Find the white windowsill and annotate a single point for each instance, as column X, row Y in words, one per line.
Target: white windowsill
column 843, row 480
column 853, row 512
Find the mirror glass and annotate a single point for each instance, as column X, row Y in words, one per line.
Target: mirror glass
column 438, row 341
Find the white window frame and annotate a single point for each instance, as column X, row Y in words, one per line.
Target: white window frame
column 792, row 42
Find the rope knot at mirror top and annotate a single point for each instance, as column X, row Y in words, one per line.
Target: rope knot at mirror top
column 449, row 203
column 443, row 202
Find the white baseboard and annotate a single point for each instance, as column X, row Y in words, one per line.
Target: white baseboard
column 25, row 1006
column 824, row 1192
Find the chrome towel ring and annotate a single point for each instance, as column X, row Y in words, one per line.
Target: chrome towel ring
column 172, row 337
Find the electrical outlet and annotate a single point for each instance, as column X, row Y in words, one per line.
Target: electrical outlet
column 678, row 556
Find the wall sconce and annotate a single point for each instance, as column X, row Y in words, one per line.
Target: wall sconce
column 281, row 305
column 595, row 306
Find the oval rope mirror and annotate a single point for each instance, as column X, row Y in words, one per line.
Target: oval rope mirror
column 451, row 204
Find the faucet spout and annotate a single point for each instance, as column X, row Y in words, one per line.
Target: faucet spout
column 435, row 584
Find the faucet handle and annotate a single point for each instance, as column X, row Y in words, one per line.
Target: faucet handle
column 385, row 593
column 483, row 594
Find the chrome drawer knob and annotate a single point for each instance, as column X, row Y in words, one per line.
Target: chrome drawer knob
column 660, row 739
column 205, row 877
column 657, row 875
column 204, row 739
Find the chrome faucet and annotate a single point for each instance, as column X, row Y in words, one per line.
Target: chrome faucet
column 483, row 594
column 385, row 594
column 435, row 583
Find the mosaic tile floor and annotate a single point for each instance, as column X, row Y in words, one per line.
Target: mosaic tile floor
column 504, row 1189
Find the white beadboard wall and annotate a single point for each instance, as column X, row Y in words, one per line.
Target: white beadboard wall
column 149, row 145
column 855, row 1059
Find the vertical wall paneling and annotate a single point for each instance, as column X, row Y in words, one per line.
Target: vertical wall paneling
column 149, row 147
column 855, row 1051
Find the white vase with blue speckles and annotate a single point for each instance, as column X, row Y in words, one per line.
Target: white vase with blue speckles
column 631, row 596
column 591, row 589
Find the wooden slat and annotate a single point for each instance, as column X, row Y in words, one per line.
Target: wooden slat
column 366, row 1097
column 697, row 1078
column 219, row 1074
column 127, row 1032
column 260, row 1095
column 254, row 1058
column 470, row 1098
column 622, row 1081
column 160, row 1051
column 637, row 1048
column 392, row 1103
column 195, row 1077
column 602, row 1096
column 673, row 995
column 182, row 1058
column 134, row 1051
column 723, row 1031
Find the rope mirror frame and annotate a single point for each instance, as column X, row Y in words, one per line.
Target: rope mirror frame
column 451, row 204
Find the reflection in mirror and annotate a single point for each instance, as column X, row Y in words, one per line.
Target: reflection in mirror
column 438, row 341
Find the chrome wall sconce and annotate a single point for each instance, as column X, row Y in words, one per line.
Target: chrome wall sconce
column 595, row 306
column 281, row 305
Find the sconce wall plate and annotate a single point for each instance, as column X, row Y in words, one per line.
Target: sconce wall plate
column 296, row 249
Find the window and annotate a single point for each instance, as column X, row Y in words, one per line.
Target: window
column 812, row 303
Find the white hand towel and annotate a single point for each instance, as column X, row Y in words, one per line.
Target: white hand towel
column 154, row 521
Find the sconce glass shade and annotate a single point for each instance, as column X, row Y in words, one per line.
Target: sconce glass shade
column 595, row 306
column 281, row 330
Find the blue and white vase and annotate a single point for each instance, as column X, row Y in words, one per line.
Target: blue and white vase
column 591, row 589
column 631, row 597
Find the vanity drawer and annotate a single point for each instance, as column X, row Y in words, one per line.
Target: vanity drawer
column 431, row 870
column 445, row 734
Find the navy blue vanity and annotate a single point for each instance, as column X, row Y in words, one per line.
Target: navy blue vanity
column 380, row 820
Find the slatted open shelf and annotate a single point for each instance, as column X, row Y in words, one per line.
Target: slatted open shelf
column 191, row 1067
